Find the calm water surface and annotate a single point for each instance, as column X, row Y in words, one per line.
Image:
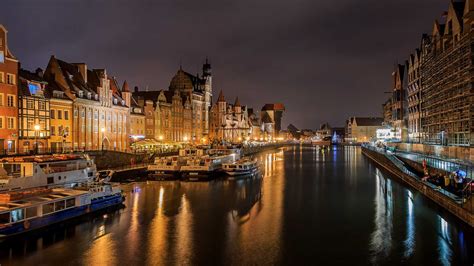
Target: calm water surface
column 310, row 206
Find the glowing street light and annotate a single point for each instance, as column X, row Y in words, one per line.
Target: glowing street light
column 37, row 129
column 185, row 138
column 160, row 137
column 103, row 136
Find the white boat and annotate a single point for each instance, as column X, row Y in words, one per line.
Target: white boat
column 241, row 167
column 208, row 166
column 23, row 211
column 18, row 173
column 167, row 168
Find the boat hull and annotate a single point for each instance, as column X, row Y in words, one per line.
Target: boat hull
column 242, row 172
column 196, row 176
column 163, row 175
column 41, row 222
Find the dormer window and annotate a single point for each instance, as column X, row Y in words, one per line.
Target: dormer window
column 115, row 101
column 89, row 95
column 97, row 97
column 123, row 102
column 81, row 94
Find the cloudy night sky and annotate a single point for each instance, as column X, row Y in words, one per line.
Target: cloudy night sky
column 325, row 60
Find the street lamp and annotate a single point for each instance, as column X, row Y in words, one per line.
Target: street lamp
column 37, row 128
column 185, row 139
column 103, row 137
column 160, row 137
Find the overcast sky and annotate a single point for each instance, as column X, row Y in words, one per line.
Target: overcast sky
column 325, row 60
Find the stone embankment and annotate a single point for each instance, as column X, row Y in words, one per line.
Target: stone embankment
column 463, row 212
column 250, row 150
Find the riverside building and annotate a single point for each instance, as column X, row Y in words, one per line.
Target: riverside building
column 8, row 96
column 100, row 113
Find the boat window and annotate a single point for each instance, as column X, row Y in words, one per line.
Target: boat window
column 4, row 218
column 50, row 180
column 59, row 205
column 17, row 215
column 70, row 203
column 48, row 208
column 31, row 212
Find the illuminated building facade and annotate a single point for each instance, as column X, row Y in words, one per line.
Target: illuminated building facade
column 8, row 96
column 33, row 112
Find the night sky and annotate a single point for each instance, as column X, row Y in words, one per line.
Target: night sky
column 325, row 60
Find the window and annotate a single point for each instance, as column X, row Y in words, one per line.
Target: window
column 53, row 131
column 60, row 114
column 11, row 79
column 11, row 123
column 52, row 114
column 2, row 56
column 30, row 104
column 75, row 113
column 1, row 122
column 17, row 215
column 48, row 208
column 42, row 105
column 2, row 77
column 59, row 205
column 70, row 203
column 60, row 130
column 11, row 101
column 31, row 212
column 5, row 218
column 66, row 115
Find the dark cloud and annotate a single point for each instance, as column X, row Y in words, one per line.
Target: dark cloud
column 325, row 60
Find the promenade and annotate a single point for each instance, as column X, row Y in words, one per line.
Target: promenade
column 459, row 205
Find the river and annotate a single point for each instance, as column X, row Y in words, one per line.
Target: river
column 310, row 206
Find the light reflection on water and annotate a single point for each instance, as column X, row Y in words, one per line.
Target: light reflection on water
column 381, row 240
column 311, row 205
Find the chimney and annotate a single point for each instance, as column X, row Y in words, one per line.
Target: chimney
column 82, row 67
column 39, row 72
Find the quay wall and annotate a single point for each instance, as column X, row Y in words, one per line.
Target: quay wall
column 256, row 149
column 452, row 152
column 115, row 159
column 440, row 199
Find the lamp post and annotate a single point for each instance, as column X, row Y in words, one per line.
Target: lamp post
column 103, row 137
column 37, row 128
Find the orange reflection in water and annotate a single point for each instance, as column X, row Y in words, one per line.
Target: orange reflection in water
column 157, row 241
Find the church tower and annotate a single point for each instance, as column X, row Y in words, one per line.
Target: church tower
column 207, row 76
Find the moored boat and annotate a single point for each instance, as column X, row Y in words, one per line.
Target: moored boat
column 241, row 167
column 168, row 168
column 24, row 211
column 207, row 167
column 17, row 173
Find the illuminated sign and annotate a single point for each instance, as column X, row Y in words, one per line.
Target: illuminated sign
column 385, row 133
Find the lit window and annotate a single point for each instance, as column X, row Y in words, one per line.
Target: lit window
column 11, row 123
column 11, row 101
column 11, row 79
column 2, row 56
column 30, row 104
column 2, row 77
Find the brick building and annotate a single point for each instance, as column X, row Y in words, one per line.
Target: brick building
column 8, row 96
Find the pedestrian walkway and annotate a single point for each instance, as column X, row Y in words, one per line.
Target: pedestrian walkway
column 443, row 164
column 401, row 166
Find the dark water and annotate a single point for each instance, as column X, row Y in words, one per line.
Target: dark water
column 310, row 207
